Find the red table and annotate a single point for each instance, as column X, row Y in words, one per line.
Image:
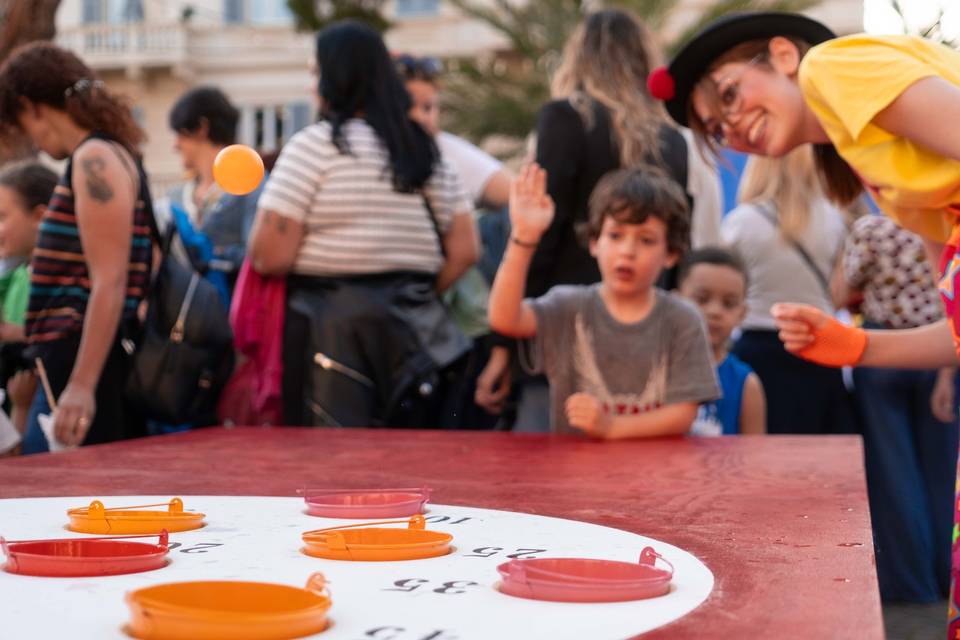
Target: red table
column 782, row 522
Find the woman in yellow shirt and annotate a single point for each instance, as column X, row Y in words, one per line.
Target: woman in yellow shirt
column 882, row 113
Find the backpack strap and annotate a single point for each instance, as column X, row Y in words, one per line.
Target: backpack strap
column 433, row 219
column 771, row 217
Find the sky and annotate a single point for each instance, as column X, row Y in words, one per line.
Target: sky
column 879, row 16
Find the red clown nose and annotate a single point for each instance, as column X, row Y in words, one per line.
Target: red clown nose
column 660, row 84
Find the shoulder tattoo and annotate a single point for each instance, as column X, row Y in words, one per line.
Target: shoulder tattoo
column 97, row 185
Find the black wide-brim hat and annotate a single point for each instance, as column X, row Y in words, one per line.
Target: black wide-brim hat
column 674, row 84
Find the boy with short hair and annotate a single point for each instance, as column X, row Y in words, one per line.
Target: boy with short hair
column 715, row 279
column 623, row 358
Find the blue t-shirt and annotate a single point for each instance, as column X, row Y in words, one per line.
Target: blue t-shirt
column 722, row 417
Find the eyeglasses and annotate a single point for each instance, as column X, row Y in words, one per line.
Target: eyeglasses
column 731, row 101
column 412, row 68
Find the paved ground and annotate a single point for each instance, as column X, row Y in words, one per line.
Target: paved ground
column 915, row 621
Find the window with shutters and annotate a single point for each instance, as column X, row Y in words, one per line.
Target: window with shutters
column 112, row 11
column 257, row 12
column 268, row 127
column 417, row 8
column 300, row 114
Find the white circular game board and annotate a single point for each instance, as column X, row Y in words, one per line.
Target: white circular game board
column 453, row 597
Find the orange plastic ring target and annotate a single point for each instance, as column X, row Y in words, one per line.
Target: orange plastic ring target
column 366, row 542
column 213, row 610
column 117, row 520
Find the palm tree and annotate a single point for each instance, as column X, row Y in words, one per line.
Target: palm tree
column 502, row 93
column 313, row 15
column 933, row 31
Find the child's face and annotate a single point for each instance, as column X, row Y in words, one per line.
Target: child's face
column 719, row 291
column 631, row 255
column 18, row 225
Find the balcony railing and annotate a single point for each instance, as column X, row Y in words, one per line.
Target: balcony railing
column 105, row 46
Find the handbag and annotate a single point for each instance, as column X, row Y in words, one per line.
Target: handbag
column 380, row 348
column 182, row 355
column 253, row 396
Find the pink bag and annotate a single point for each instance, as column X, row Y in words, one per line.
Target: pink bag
column 253, row 394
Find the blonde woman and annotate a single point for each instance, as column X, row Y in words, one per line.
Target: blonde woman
column 601, row 119
column 790, row 237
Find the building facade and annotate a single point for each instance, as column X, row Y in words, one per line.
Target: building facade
column 154, row 50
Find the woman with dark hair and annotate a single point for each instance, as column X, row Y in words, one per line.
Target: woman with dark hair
column 369, row 224
column 92, row 259
column 205, row 122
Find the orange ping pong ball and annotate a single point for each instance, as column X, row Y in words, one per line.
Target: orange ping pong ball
column 238, row 169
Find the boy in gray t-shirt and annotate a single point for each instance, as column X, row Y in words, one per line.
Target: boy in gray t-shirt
column 623, row 358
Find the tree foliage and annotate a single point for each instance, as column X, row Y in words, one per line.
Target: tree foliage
column 313, row 15
column 23, row 21
column 933, row 31
column 501, row 93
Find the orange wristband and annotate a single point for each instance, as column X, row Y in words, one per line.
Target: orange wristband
column 836, row 345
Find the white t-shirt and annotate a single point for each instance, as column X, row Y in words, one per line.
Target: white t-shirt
column 776, row 270
column 355, row 223
column 474, row 165
column 703, row 184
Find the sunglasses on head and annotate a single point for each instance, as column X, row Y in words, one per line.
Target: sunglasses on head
column 412, row 68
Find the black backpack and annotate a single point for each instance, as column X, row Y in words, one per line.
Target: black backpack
column 183, row 352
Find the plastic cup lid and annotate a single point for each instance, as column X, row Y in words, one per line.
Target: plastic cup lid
column 369, row 541
column 587, row 576
column 101, row 555
column 211, row 610
column 97, row 511
column 365, row 503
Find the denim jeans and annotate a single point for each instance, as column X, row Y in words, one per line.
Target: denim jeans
column 34, row 441
column 911, row 464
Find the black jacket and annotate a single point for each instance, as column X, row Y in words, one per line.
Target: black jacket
column 374, row 345
column 575, row 159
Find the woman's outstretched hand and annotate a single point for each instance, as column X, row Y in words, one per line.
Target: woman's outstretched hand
column 813, row 335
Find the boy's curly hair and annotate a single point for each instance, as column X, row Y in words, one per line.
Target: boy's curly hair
column 633, row 195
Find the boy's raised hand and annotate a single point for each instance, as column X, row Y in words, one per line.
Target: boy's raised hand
column 531, row 209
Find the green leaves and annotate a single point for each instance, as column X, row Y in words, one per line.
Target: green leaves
column 502, row 95
column 313, row 15
column 722, row 7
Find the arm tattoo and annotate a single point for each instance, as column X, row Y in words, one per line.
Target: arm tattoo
column 97, row 185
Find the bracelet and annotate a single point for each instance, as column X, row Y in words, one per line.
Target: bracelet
column 527, row 245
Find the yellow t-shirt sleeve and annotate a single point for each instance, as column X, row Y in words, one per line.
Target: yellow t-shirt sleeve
column 850, row 80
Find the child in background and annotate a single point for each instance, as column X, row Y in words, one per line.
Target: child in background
column 715, row 279
column 623, row 358
column 25, row 190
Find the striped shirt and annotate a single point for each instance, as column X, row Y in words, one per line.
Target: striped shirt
column 354, row 221
column 60, row 281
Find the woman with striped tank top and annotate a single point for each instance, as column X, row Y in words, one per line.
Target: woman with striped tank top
column 91, row 265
